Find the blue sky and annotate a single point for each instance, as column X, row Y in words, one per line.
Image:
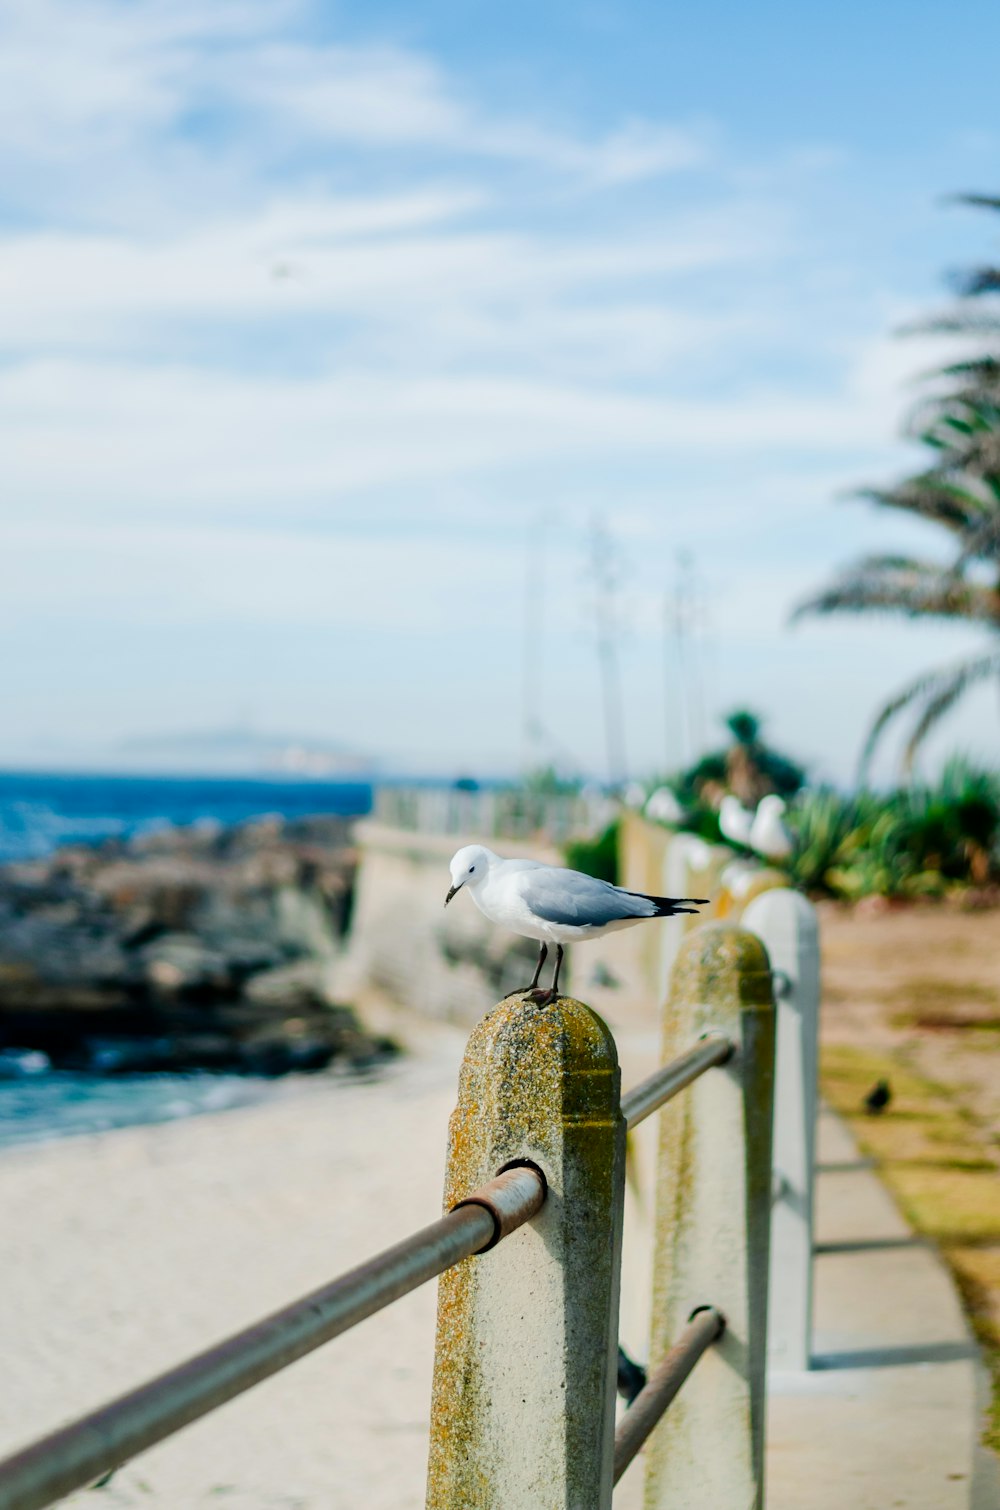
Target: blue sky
column 320, row 323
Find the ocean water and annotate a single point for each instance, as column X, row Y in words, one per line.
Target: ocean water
column 38, row 813
column 38, row 1105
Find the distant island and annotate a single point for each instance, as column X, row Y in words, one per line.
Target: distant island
column 237, row 750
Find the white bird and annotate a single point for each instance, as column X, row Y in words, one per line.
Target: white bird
column 768, row 835
column 663, row 806
column 739, row 876
column 552, row 905
column 735, row 820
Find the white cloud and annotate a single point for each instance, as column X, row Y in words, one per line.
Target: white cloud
column 322, row 259
column 138, row 439
column 285, row 319
column 171, row 575
column 92, row 83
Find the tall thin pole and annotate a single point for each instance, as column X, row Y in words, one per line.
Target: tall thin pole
column 533, row 641
column 670, row 685
column 604, row 571
column 681, row 617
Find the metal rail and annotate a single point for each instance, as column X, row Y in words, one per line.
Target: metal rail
column 101, row 1441
column 96, row 1443
column 664, row 1383
column 650, row 1094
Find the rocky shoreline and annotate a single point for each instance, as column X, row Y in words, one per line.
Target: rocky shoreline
column 191, row 948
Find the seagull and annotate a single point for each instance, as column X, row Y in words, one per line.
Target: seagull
column 768, row 834
column 663, row 806
column 552, row 905
column 735, row 821
column 739, row 876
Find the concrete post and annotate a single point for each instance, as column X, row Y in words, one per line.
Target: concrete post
column 691, row 868
column 787, row 925
column 524, row 1376
column 713, row 1218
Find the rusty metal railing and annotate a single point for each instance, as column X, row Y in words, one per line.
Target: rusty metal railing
column 664, row 1383
column 101, row 1441
column 649, row 1095
column 706, row 1324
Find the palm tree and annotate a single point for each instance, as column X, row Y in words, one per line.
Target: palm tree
column 959, row 420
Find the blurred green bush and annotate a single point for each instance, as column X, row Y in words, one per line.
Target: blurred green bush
column 917, row 841
column 596, row 857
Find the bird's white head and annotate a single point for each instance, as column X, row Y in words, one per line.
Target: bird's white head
column 469, row 867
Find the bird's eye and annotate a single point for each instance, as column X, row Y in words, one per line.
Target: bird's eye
column 471, row 869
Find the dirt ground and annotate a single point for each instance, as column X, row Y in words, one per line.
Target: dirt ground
column 911, row 996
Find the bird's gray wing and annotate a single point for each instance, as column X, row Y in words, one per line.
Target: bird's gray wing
column 578, row 901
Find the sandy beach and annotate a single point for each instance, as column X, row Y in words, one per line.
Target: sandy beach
column 122, row 1253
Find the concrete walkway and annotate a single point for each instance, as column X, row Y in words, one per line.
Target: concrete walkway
column 889, row 1415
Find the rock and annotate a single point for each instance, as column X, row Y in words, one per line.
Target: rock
column 181, row 965
column 183, row 948
column 291, row 987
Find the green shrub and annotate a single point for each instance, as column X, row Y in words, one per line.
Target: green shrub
column 914, row 842
column 596, row 857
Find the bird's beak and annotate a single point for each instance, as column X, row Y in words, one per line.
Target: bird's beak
column 453, row 891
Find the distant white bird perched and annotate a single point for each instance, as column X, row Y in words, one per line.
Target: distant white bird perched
column 739, row 876
column 735, row 821
column 768, row 834
column 552, row 905
column 663, row 806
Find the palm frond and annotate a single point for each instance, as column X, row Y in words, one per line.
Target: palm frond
column 970, row 282
column 985, row 369
column 983, row 544
column 930, row 497
column 958, row 420
column 964, row 429
column 953, row 322
column 978, row 201
column 940, row 690
column 917, row 589
column 934, row 709
column 923, row 686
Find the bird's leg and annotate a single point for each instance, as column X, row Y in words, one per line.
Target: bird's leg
column 542, row 956
column 532, row 989
column 546, row 998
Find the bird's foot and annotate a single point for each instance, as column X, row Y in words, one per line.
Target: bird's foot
column 542, row 998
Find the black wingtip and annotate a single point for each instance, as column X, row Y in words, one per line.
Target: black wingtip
column 667, row 907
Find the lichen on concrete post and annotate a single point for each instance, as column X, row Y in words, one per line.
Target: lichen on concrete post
column 691, row 868
column 524, row 1376
column 786, row 923
column 713, row 1217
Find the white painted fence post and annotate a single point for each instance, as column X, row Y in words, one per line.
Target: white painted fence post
column 786, row 923
column 713, row 1219
column 525, row 1366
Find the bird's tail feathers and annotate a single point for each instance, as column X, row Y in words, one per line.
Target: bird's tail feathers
column 667, row 907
